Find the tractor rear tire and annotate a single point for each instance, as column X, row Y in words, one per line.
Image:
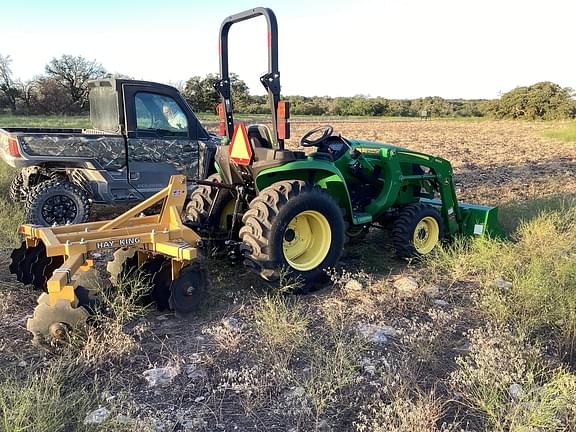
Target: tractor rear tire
column 417, row 231
column 197, row 212
column 293, row 229
column 17, row 191
column 57, row 202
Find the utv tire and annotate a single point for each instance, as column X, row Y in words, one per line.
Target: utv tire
column 417, row 231
column 17, row 191
column 293, row 227
column 57, row 202
column 198, row 214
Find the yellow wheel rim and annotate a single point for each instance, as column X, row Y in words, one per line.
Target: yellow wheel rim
column 426, row 235
column 227, row 211
column 307, row 240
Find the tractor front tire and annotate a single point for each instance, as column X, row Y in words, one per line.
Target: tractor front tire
column 293, row 229
column 205, row 197
column 57, row 202
column 417, row 231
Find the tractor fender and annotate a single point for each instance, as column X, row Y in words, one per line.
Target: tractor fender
column 319, row 172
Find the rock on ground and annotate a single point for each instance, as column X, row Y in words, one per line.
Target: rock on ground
column 432, row 291
column 97, row 417
column 406, row 286
column 353, row 285
column 377, row 333
column 160, row 376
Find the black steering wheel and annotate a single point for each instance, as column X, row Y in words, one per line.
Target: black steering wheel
column 325, row 132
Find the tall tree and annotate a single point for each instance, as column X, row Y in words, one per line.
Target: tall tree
column 7, row 85
column 543, row 100
column 202, row 96
column 73, row 74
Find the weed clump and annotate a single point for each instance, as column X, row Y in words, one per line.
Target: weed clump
column 52, row 398
column 108, row 339
column 505, row 380
column 527, row 283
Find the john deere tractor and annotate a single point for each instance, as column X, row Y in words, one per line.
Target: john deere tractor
column 283, row 211
column 294, row 211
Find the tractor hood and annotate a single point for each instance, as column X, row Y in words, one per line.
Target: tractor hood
column 367, row 146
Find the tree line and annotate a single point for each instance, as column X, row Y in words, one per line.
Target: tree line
column 63, row 89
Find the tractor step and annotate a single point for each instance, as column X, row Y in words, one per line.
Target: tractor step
column 361, row 218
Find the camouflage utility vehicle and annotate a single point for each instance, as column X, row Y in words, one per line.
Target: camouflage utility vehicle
column 142, row 133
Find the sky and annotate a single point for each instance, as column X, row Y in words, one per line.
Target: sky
column 391, row 48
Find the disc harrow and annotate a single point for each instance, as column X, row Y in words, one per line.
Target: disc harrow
column 188, row 293
column 160, row 246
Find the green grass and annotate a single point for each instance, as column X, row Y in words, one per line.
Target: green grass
column 527, row 283
column 44, row 121
column 565, row 133
column 53, row 398
column 11, row 214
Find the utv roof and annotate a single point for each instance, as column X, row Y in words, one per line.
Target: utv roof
column 118, row 82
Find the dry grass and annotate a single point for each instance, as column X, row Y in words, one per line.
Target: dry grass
column 282, row 326
column 109, row 341
column 402, row 411
column 510, row 385
column 528, row 283
column 259, row 361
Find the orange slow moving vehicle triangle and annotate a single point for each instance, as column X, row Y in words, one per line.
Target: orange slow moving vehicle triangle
column 240, row 150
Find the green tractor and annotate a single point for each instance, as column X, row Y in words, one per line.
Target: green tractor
column 292, row 211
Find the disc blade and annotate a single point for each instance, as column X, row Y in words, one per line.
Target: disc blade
column 188, row 293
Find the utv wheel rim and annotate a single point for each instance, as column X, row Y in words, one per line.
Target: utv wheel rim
column 426, row 235
column 307, row 240
column 59, row 209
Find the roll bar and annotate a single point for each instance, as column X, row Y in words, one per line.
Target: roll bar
column 270, row 80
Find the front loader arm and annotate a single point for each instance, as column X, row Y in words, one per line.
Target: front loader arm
column 394, row 178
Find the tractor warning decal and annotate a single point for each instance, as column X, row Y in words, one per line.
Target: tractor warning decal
column 240, row 150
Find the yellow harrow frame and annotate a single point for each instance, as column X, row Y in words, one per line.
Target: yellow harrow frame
column 163, row 234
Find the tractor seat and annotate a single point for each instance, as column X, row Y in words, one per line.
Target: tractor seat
column 265, row 155
column 259, row 136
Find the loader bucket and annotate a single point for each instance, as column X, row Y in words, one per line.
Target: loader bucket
column 477, row 220
column 480, row 220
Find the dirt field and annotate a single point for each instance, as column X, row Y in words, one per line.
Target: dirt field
column 495, row 162
column 370, row 353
